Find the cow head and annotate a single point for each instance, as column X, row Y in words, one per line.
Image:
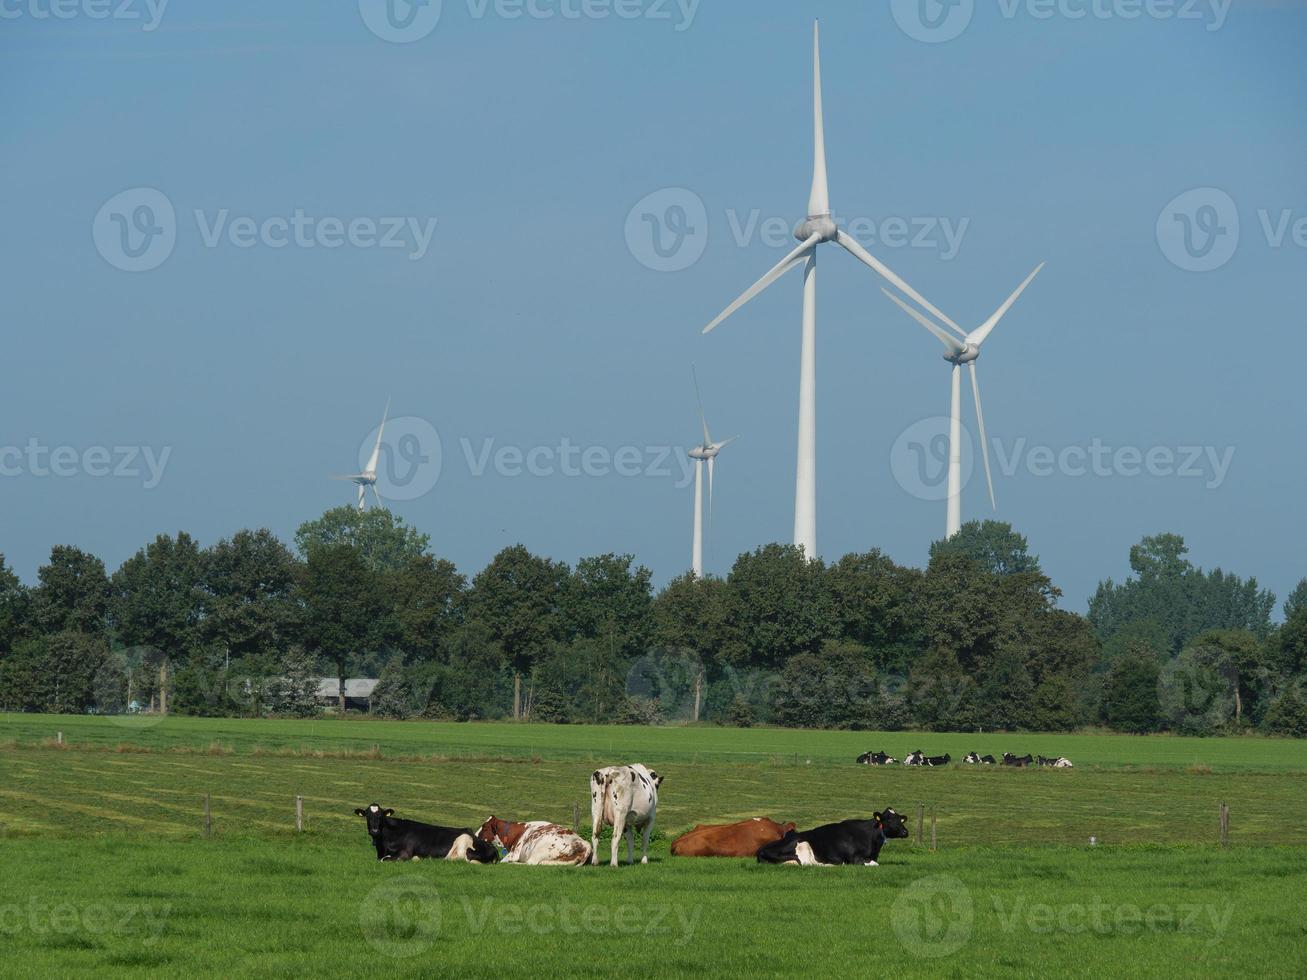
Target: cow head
column 789, row 828
column 482, row 852
column 657, row 779
column 891, row 823
column 375, row 817
column 490, row 830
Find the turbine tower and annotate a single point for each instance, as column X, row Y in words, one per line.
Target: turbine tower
column 819, row 227
column 960, row 350
column 368, row 478
column 706, row 453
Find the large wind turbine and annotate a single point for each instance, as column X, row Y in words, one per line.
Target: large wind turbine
column 819, row 227
column 368, row 478
column 963, row 349
column 706, row 453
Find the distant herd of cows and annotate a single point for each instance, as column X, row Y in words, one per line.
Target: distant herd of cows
column 919, row 758
column 626, row 799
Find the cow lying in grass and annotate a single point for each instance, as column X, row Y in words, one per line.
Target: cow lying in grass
column 846, row 842
column 1060, row 762
column 875, row 759
column 408, row 840
column 537, row 842
column 1017, row 760
column 741, row 839
column 974, row 759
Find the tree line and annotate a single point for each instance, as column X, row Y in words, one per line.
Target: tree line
column 974, row 641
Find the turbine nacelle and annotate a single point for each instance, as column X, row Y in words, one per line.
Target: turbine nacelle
column 705, row 452
column 822, row 227
column 966, row 355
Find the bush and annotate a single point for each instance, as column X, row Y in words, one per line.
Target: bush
column 740, row 713
column 1287, row 714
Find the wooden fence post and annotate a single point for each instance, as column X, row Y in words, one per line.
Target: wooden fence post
column 208, row 817
column 1225, row 825
column 59, row 737
column 921, row 819
column 932, row 826
column 299, row 814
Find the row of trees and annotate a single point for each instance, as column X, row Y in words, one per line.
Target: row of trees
column 973, row 641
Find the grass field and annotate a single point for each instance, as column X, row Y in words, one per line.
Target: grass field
column 106, row 865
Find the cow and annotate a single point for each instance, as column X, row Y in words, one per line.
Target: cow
column 731, row 839
column 537, row 842
column 937, row 760
column 1013, row 760
column 974, row 759
column 876, row 759
column 625, row 798
column 408, row 840
column 847, row 842
column 1060, row 762
column 917, row 758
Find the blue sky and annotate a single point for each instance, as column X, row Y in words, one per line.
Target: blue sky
column 529, row 316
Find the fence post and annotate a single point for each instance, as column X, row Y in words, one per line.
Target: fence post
column 576, row 817
column 932, row 826
column 59, row 737
column 299, row 814
column 208, row 817
column 1225, row 825
column 921, row 818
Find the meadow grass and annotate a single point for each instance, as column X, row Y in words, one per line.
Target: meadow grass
column 106, row 867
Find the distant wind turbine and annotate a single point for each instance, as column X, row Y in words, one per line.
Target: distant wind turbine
column 963, row 349
column 706, row 453
column 819, row 227
column 368, row 478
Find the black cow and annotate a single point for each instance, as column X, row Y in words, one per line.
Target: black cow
column 1013, row 760
column 405, row 840
column 987, row 760
column 937, row 760
column 846, row 842
column 875, row 759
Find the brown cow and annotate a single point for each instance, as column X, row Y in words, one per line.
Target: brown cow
column 730, row 839
column 538, row 842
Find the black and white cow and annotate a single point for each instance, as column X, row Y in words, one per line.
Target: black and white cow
column 1060, row 762
column 917, row 758
column 876, row 759
column 937, row 760
column 626, row 799
column 1017, row 760
column 408, row 840
column 846, row 842
column 974, row 759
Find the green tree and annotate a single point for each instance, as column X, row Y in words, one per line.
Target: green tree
column 384, row 541
column 1130, row 697
column 606, row 597
column 345, row 608
column 875, row 604
column 251, row 602
column 427, row 595
column 1287, row 714
column 992, row 545
column 691, row 627
column 836, row 688
column 1240, row 659
column 55, row 674
column 72, row 593
column 471, row 682
column 13, row 608
column 518, row 596
column 779, row 607
column 157, row 601
column 1291, row 641
column 293, row 691
column 1297, row 600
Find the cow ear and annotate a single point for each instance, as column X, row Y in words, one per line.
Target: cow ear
column 658, row 781
column 358, row 811
column 388, row 812
column 876, row 816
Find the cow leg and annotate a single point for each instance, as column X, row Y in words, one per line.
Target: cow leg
column 597, row 824
column 630, row 844
column 648, row 829
column 619, row 827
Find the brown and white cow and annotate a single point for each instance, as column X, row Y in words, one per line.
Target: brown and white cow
column 537, row 842
column 730, row 839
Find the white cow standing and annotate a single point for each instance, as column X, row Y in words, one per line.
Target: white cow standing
column 624, row 798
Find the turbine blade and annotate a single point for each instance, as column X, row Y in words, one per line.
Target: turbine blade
column 352, row 477
column 711, row 460
column 880, row 268
column 363, row 491
column 377, row 497
column 776, row 271
column 819, row 198
column 707, row 439
column 984, row 441
column 947, row 339
column 978, row 335
column 724, row 442
column 376, row 450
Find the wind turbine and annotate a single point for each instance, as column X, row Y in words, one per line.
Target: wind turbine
column 368, row 478
column 706, row 453
column 963, row 349
column 819, row 227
